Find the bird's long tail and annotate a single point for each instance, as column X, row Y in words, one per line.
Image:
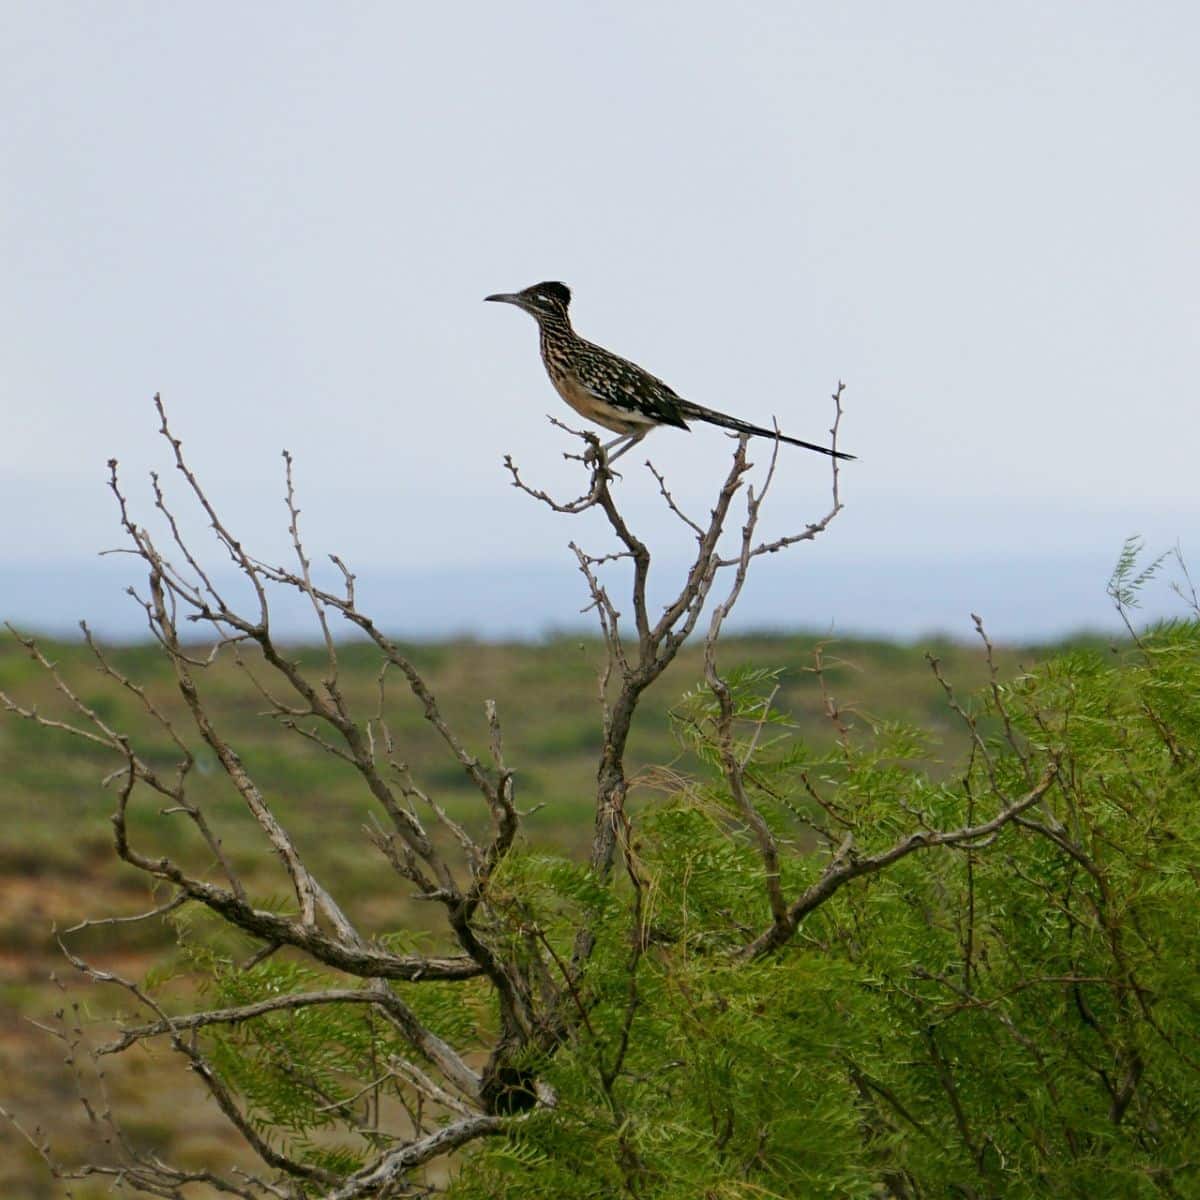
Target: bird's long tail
column 713, row 417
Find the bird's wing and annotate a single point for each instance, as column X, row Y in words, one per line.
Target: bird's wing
column 629, row 388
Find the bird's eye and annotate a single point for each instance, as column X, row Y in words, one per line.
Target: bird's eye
column 539, row 296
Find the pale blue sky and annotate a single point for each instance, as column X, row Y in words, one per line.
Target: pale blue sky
column 284, row 216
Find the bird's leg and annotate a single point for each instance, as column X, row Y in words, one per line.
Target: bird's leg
column 630, row 440
column 601, row 452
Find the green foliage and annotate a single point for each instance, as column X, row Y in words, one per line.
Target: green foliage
column 1129, row 577
column 1017, row 1019
column 1014, row 1017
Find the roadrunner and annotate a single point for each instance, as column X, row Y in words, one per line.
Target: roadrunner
column 611, row 390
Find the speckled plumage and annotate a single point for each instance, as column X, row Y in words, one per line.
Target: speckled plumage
column 612, row 391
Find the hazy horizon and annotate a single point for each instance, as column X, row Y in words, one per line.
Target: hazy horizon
column 895, row 600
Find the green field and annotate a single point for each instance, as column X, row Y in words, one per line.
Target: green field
column 56, row 858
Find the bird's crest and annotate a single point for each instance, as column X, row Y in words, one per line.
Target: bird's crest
column 553, row 290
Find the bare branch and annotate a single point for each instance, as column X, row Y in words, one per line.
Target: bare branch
column 176, row 901
column 307, row 588
column 427, row 1044
column 845, row 865
column 818, row 527
column 1018, row 748
column 733, row 768
column 504, row 814
column 670, row 501
column 391, row 1168
column 599, row 477
column 203, row 1070
column 235, row 1016
column 496, row 935
column 231, row 544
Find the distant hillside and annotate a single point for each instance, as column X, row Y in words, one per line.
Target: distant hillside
column 1022, row 597
column 546, row 693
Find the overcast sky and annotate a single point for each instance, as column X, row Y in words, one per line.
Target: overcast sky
column 284, row 217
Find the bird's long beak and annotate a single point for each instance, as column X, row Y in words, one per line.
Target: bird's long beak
column 505, row 298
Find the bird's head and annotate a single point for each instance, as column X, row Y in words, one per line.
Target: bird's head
column 543, row 301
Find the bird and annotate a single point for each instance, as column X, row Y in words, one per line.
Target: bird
column 612, row 391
